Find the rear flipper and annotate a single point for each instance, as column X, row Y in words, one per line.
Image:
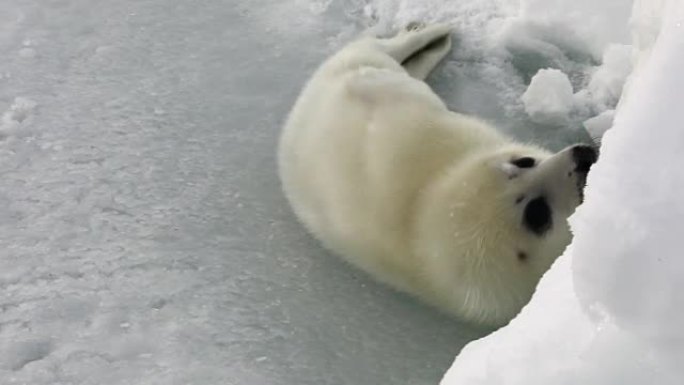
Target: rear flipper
column 419, row 48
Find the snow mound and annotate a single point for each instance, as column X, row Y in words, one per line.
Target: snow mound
column 548, row 97
column 610, row 310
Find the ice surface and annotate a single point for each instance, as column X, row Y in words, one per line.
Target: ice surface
column 145, row 239
column 548, row 98
column 610, row 310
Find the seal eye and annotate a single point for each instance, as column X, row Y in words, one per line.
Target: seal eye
column 537, row 216
column 524, row 162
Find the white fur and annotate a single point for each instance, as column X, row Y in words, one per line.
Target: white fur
column 422, row 198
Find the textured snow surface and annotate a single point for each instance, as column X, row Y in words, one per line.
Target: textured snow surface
column 610, row 311
column 144, row 237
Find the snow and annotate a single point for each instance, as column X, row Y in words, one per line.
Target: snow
column 606, row 82
column 588, row 24
column 145, row 236
column 598, row 125
column 13, row 118
column 548, row 98
column 610, row 311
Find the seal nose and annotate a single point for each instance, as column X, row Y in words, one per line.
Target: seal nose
column 583, row 156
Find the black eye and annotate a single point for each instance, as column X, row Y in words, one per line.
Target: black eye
column 537, row 216
column 525, row 162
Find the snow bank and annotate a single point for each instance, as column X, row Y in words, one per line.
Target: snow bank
column 610, row 310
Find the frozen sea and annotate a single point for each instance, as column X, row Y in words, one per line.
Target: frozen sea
column 144, row 237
